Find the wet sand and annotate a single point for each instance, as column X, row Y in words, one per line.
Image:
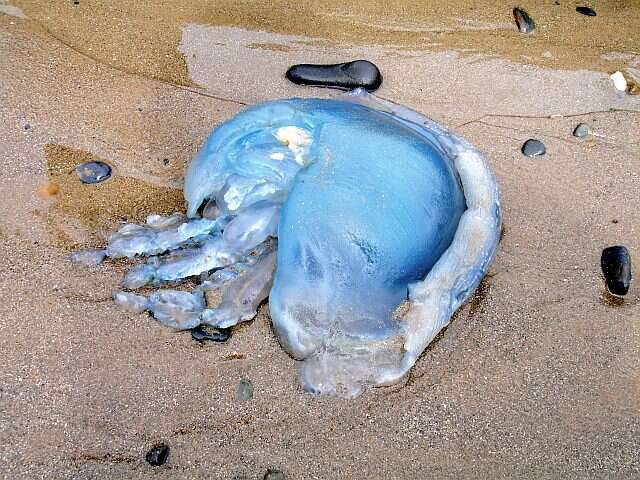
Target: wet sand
column 537, row 376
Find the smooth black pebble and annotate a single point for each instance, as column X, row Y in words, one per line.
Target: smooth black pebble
column 93, row 172
column 346, row 76
column 616, row 267
column 205, row 333
column 158, row 455
column 533, row 148
column 524, row 22
column 581, row 130
column 274, row 475
column 589, row 12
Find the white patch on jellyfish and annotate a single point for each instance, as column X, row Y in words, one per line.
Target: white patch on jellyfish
column 237, row 191
column 298, row 140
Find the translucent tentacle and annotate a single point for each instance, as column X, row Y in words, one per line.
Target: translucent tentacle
column 132, row 240
column 242, row 296
column 177, row 309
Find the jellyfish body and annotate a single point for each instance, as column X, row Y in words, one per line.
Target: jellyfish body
column 365, row 223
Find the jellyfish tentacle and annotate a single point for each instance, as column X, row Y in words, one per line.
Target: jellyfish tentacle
column 142, row 240
column 242, row 293
column 241, row 297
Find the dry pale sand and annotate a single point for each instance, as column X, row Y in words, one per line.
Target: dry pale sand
column 537, row 377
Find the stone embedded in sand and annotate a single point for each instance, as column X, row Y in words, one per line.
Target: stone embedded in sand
column 346, row 76
column 205, row 333
column 589, row 12
column 245, row 390
column 524, row 22
column 616, row 267
column 582, row 130
column 533, row 148
column 158, row 455
column 274, row 475
column 93, row 172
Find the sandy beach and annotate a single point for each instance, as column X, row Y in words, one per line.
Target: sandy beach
column 538, row 376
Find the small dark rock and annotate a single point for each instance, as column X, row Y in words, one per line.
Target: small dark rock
column 616, row 267
column 93, row 172
column 274, row 475
column 533, row 148
column 158, row 455
column 165, row 161
column 27, row 126
column 524, row 22
column 245, row 390
column 589, row 12
column 581, row 130
column 76, row 2
column 205, row 333
column 345, row 76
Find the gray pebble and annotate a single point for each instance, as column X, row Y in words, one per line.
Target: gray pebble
column 245, row 390
column 582, row 130
column 274, row 475
column 524, row 22
column 93, row 172
column 533, row 148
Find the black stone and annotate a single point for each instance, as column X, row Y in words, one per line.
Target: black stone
column 27, row 126
column 533, row 148
column 616, row 267
column 274, row 475
column 205, row 333
column 93, row 172
column 589, row 12
column 158, row 455
column 524, row 22
column 345, row 76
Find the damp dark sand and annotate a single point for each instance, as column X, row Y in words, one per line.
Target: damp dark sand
column 142, row 36
column 537, row 376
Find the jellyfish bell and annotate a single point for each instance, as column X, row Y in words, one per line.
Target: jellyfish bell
column 365, row 223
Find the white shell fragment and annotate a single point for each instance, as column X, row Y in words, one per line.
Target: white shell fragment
column 619, row 81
